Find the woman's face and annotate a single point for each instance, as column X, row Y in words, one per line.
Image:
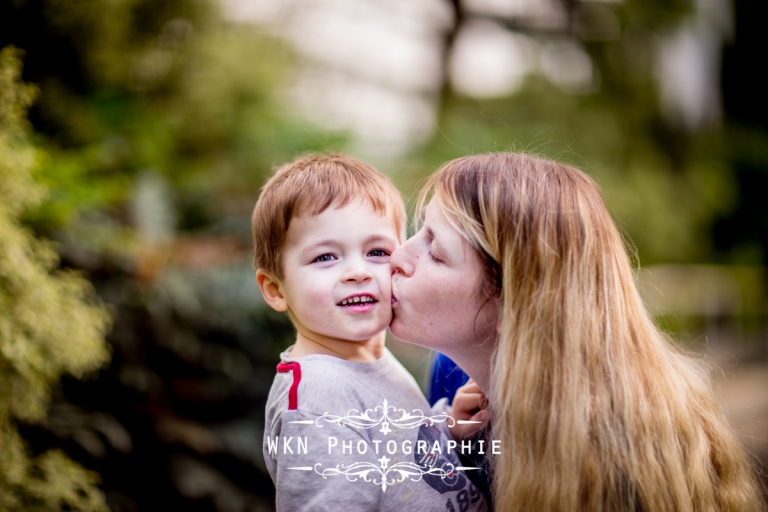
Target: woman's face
column 436, row 299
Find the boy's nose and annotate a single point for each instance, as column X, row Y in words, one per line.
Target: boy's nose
column 356, row 271
column 400, row 260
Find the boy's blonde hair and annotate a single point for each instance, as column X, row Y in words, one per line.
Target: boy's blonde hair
column 308, row 186
column 595, row 408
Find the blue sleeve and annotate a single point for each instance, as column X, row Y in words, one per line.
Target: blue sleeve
column 445, row 378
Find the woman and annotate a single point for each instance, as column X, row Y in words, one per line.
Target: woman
column 519, row 275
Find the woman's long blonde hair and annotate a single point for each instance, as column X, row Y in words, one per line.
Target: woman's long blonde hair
column 595, row 409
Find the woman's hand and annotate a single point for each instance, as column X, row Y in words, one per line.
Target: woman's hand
column 469, row 404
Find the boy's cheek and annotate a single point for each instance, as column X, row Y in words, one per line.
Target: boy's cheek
column 385, row 287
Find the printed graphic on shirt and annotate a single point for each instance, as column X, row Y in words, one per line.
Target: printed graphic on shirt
column 464, row 494
column 437, row 458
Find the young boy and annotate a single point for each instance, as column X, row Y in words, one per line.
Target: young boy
column 347, row 427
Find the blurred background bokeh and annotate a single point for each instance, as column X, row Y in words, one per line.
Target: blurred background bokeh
column 135, row 350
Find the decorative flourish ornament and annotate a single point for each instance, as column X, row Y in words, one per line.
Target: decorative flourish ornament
column 385, row 475
column 384, row 415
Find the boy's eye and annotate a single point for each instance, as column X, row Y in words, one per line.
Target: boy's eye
column 378, row 253
column 324, row 257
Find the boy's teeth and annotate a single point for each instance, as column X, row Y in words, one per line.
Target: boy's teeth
column 355, row 300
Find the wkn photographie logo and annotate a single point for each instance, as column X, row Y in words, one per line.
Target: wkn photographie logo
column 399, row 454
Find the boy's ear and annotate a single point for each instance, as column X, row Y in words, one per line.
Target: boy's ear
column 270, row 289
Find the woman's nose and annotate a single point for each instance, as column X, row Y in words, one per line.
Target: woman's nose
column 401, row 260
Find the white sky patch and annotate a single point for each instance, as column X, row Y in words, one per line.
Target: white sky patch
column 490, row 61
column 362, row 42
column 257, row 12
column 386, row 122
column 371, row 68
column 687, row 77
column 539, row 13
column 688, row 66
column 565, row 63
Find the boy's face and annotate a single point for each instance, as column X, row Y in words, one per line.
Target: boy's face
column 337, row 280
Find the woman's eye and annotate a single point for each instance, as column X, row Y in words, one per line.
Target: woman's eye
column 378, row 253
column 324, row 257
column 435, row 258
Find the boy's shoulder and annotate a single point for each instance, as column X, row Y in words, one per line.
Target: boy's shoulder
column 319, row 384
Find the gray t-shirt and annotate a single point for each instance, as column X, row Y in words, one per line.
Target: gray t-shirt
column 344, row 435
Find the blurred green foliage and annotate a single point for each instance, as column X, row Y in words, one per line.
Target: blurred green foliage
column 665, row 206
column 144, row 102
column 132, row 86
column 667, row 185
column 138, row 85
column 165, row 89
column 50, row 323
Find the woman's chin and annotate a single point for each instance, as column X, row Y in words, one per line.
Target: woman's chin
column 394, row 327
column 400, row 330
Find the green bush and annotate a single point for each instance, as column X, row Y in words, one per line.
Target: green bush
column 50, row 323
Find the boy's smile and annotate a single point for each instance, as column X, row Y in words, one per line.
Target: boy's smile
column 359, row 302
column 336, row 277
